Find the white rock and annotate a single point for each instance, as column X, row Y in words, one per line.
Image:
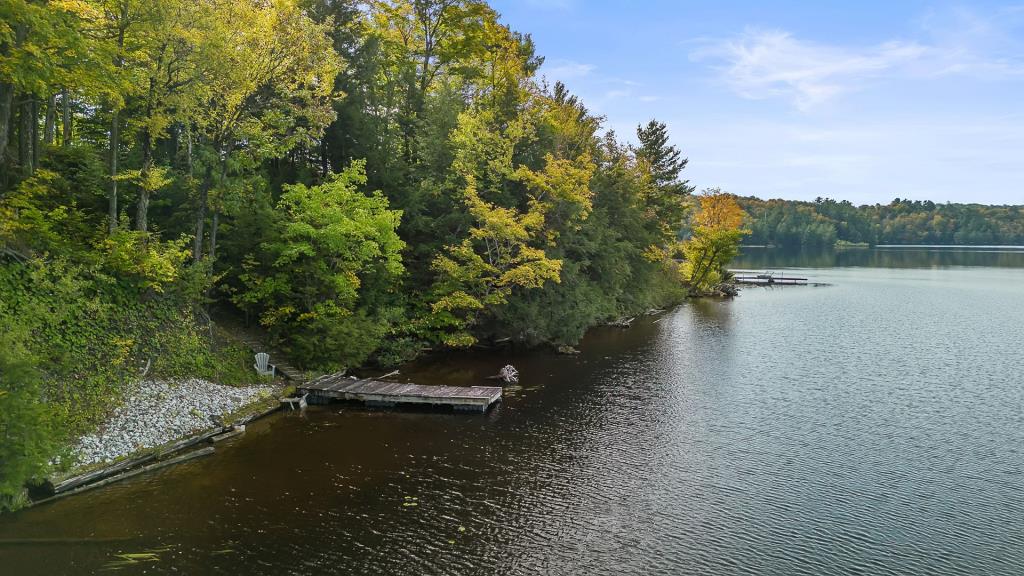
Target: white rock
column 155, row 412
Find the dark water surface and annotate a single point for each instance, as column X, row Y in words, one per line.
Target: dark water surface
column 873, row 426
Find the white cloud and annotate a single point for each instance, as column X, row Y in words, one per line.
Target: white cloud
column 567, row 69
column 761, row 64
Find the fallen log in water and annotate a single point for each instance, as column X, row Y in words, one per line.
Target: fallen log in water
column 191, row 441
column 148, row 468
column 622, row 322
column 96, row 475
column 75, row 481
column 508, row 373
column 234, row 431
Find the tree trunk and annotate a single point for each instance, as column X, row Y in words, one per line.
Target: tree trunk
column 188, row 150
column 115, row 142
column 35, row 133
column 706, row 268
column 216, row 210
column 142, row 209
column 325, row 165
column 115, row 128
column 146, row 138
column 213, row 235
column 6, row 114
column 146, row 143
column 25, row 122
column 197, row 243
column 66, row 123
column 204, row 196
column 50, row 126
column 7, row 92
column 174, row 145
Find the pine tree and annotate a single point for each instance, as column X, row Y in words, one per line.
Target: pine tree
column 664, row 160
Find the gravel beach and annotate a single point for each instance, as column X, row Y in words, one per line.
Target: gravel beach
column 157, row 411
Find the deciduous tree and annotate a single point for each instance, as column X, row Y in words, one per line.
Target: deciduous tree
column 715, row 241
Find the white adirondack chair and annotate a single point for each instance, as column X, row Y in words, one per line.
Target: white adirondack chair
column 263, row 366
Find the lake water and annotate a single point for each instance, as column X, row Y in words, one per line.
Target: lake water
column 871, row 426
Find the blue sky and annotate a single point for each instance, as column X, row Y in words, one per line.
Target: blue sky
column 864, row 101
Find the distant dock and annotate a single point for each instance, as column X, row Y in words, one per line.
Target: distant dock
column 755, row 278
column 379, row 393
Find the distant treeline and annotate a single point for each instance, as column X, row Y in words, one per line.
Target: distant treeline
column 825, row 221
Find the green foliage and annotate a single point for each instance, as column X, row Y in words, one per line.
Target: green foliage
column 613, row 262
column 90, row 335
column 716, row 235
column 505, row 247
column 35, row 217
column 26, row 426
column 825, row 221
column 140, row 261
column 304, row 283
column 662, row 164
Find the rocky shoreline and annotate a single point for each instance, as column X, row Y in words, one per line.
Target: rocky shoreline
column 155, row 412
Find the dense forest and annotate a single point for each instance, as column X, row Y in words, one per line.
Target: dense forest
column 825, row 221
column 362, row 181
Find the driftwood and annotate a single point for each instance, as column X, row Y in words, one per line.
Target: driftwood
column 234, row 431
column 155, row 466
column 508, row 373
column 13, row 254
column 192, row 441
column 95, row 475
column 102, row 476
column 75, row 481
column 494, row 344
column 623, row 322
column 145, row 369
column 727, row 290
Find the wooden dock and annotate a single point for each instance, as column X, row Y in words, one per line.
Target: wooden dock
column 754, row 280
column 380, row 393
column 767, row 278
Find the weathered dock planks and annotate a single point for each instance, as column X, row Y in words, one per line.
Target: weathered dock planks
column 767, row 278
column 379, row 393
column 776, row 281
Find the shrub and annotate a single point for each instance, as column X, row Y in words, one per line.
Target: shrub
column 26, row 425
